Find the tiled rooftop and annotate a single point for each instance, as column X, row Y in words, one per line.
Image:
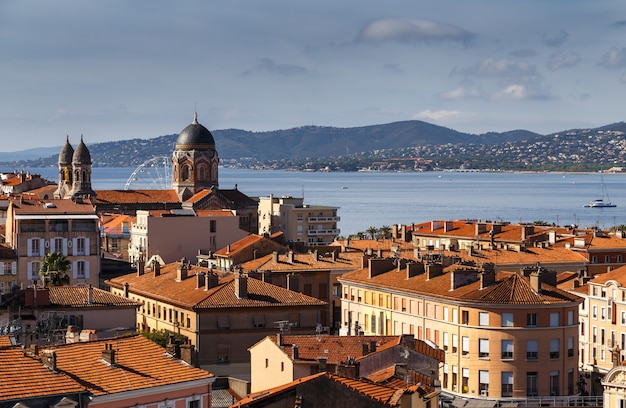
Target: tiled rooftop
column 187, row 294
column 238, row 245
column 38, row 207
column 136, row 196
column 306, row 262
column 78, row 296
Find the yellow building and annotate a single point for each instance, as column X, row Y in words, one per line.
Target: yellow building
column 504, row 335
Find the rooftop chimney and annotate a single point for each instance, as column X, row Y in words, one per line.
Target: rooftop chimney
column 141, row 266
column 181, row 271
column 126, row 286
column 275, row 256
column 156, row 267
column 241, row 285
column 296, row 352
column 414, row 269
column 290, row 257
column 90, row 294
column 379, row 266
column 488, row 275
column 321, row 364
column 266, row 276
column 372, row 346
column 211, row 280
column 49, row 359
column 433, row 270
column 108, row 354
column 333, row 256
column 535, row 281
column 200, row 279
column 279, row 339
column 366, row 348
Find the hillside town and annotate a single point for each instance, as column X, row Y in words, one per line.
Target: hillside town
column 200, row 296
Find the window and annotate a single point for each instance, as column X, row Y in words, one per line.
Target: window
column 223, row 353
column 594, row 334
column 258, row 321
column 35, row 247
column 531, row 319
column 483, row 319
column 483, row 383
column 554, row 382
column 507, row 349
column 57, row 245
column 531, row 384
column 373, row 323
column 570, row 347
column 455, row 315
column 570, row 318
column 465, row 345
column 594, row 312
column 33, row 270
column 445, row 341
column 193, row 404
column 80, row 272
column 507, row 383
column 623, row 318
column 465, row 380
column 507, row 320
column 532, row 349
column 602, row 313
column 554, row 348
column 455, row 343
column 554, row 319
column 445, row 313
column 465, row 317
column 483, row 348
column 213, row 226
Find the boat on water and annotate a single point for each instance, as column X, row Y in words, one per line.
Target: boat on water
column 601, row 202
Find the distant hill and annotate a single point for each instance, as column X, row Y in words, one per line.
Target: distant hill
column 297, row 143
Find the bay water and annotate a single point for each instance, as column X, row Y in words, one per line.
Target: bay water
column 376, row 199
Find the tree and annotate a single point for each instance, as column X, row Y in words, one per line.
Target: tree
column 372, row 231
column 53, row 271
column 385, row 232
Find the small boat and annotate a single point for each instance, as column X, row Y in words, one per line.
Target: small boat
column 600, row 202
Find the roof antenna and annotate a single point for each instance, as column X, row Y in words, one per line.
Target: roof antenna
column 195, row 113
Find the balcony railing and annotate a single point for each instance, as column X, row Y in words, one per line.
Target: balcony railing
column 323, row 232
column 324, row 219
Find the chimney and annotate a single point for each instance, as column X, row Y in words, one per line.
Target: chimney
column 141, row 266
column 267, row 276
column 527, row 230
column 316, row 256
column 49, row 360
column 173, row 347
column 535, row 281
column 380, row 253
column 200, row 279
column 333, row 256
column 156, row 267
column 433, row 270
column 414, row 269
column 481, row 228
column 462, row 277
column 293, row 282
column 108, row 354
column 188, row 354
column 90, row 295
column 296, row 352
column 366, row 348
column 290, row 257
column 321, row 364
column 181, row 271
column 349, row 369
column 211, row 280
column 241, row 285
column 279, row 339
column 488, row 275
column 228, row 249
column 448, row 226
column 275, row 256
column 372, row 346
column 408, row 341
column 126, row 286
column 380, row 266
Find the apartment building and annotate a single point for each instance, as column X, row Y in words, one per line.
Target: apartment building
column 313, row 225
column 71, row 227
column 504, row 334
column 222, row 314
column 8, row 269
column 602, row 326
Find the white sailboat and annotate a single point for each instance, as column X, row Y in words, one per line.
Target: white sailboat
column 601, row 202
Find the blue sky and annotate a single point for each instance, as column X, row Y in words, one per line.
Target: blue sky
column 114, row 70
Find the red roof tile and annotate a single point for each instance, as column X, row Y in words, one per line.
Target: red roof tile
column 136, row 196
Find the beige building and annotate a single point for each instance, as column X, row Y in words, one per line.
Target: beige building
column 36, row 228
column 221, row 315
column 504, row 335
column 614, row 388
column 313, row 225
column 8, row 269
column 602, row 326
column 174, row 235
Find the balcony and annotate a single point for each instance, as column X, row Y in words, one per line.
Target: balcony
column 324, row 219
column 323, row 232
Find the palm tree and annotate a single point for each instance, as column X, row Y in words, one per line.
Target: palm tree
column 372, row 231
column 384, row 232
column 53, row 271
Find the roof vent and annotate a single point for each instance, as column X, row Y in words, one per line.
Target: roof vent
column 49, row 205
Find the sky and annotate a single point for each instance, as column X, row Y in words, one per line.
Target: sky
column 117, row 69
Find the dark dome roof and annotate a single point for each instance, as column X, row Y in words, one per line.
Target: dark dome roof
column 67, row 151
column 195, row 136
column 81, row 154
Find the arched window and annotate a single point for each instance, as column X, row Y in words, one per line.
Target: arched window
column 185, row 175
column 201, row 173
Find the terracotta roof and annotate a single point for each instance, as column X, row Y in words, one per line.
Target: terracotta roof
column 78, row 297
column 617, row 274
column 214, row 213
column 7, row 341
column 139, row 364
column 186, row 294
column 136, row 196
column 199, row 196
column 238, row 245
column 236, row 196
column 25, row 377
column 385, row 395
column 509, row 288
column 336, row 349
column 389, row 378
column 306, row 262
column 37, row 207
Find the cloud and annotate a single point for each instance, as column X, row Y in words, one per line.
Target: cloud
column 461, row 93
column 500, row 68
column 556, row 40
column 613, row 58
column 518, row 92
column 523, row 53
column 619, row 24
column 411, row 31
column 565, row 60
column 267, row 65
column 437, row 114
column 393, row 67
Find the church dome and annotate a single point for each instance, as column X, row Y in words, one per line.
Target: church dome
column 195, row 136
column 67, row 151
column 81, row 154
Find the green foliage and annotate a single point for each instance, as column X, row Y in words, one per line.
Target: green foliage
column 53, row 271
column 161, row 337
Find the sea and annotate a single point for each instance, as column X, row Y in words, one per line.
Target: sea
column 384, row 198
